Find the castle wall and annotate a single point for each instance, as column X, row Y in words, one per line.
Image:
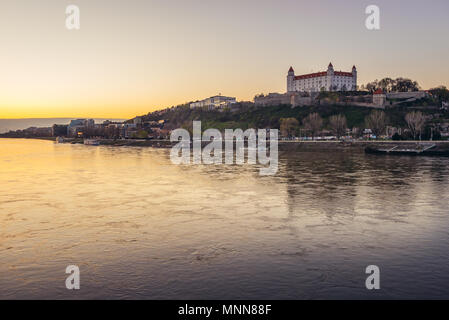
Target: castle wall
column 407, row 95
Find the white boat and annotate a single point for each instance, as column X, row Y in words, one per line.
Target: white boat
column 59, row 140
column 91, row 142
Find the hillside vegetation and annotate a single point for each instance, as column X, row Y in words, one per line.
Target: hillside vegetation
column 270, row 117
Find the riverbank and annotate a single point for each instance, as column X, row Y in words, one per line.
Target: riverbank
column 354, row 146
column 340, row 146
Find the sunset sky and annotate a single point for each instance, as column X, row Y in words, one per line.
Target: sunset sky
column 135, row 56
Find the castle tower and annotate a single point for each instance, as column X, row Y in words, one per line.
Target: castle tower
column 291, row 80
column 330, row 69
column 379, row 98
column 330, row 76
column 354, row 77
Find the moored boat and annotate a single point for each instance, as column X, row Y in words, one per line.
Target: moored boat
column 91, row 142
column 418, row 150
column 59, row 140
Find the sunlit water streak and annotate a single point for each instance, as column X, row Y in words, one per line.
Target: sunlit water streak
column 141, row 227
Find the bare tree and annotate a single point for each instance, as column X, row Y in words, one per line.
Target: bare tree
column 338, row 125
column 288, row 126
column 313, row 123
column 415, row 121
column 356, row 132
column 377, row 122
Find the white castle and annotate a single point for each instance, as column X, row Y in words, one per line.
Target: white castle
column 329, row 80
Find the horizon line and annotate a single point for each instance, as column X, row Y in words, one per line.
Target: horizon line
column 37, row 118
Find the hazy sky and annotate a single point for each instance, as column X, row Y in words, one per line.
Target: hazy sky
column 135, row 56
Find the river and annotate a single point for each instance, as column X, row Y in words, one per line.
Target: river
column 140, row 227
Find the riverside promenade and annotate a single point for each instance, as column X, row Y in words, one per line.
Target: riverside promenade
column 284, row 145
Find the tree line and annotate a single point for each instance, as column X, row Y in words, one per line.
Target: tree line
column 376, row 121
column 392, row 85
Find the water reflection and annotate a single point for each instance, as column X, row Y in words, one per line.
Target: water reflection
column 140, row 227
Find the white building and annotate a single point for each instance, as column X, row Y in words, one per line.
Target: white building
column 329, row 80
column 215, row 102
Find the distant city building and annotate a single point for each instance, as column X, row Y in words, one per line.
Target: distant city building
column 59, row 130
column 129, row 130
column 137, row 121
column 78, row 126
column 78, row 122
column 89, row 123
column 215, row 102
column 329, row 80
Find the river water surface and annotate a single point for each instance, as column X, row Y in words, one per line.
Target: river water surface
column 141, row 227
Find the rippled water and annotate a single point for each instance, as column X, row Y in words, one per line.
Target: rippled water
column 141, row 227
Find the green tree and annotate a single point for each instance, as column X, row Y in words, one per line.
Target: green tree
column 387, row 84
column 405, row 85
column 440, row 93
column 142, row 134
column 372, row 86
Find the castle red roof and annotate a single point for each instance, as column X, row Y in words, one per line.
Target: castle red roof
column 311, row 75
column 379, row 91
column 323, row 74
column 343, row 74
column 290, row 70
